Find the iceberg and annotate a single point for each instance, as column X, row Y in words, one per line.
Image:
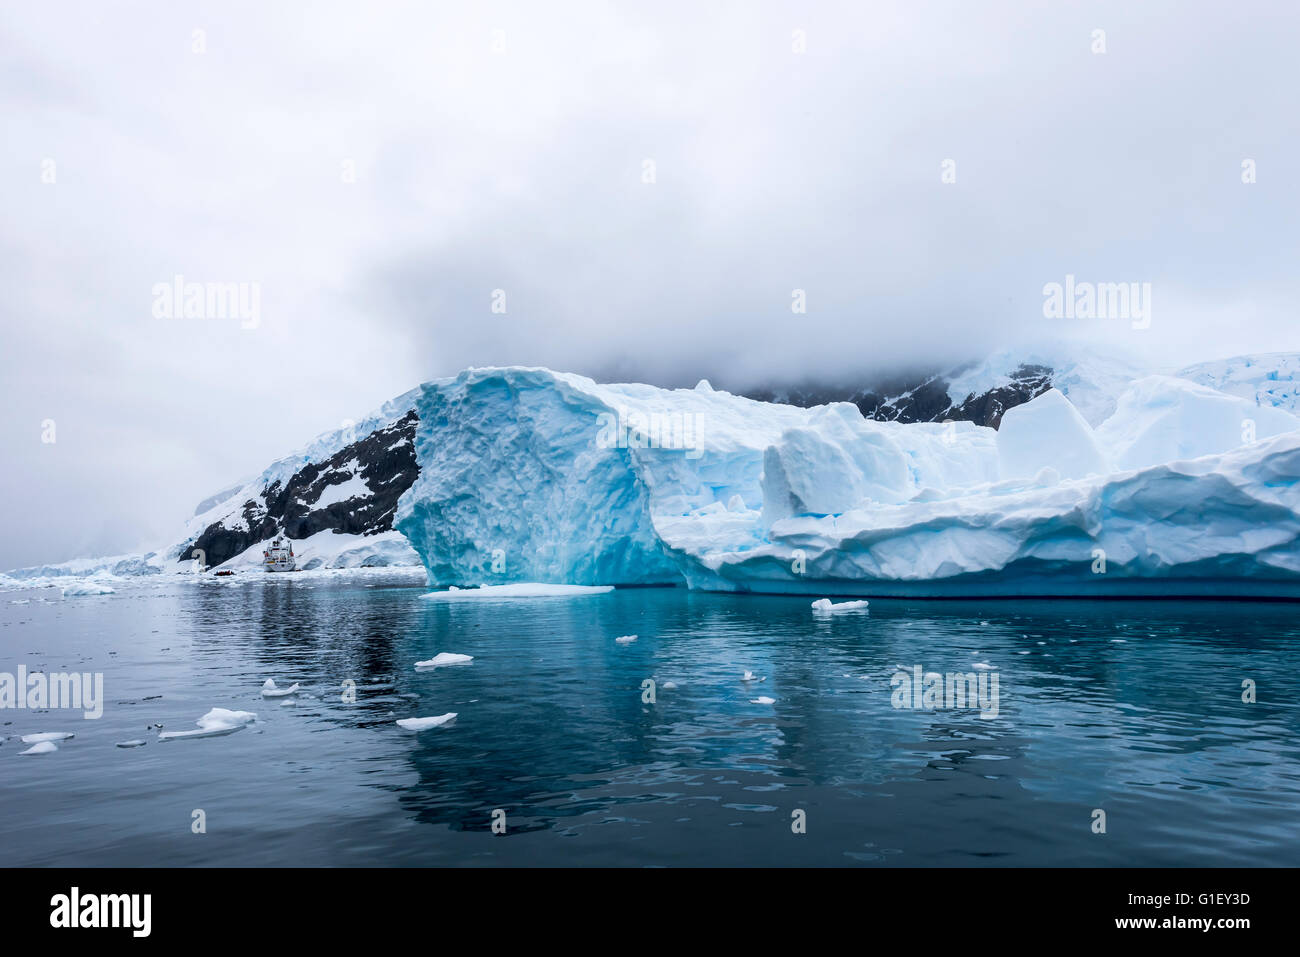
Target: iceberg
column 217, row 722
column 47, row 736
column 423, row 724
column 534, row 476
column 80, row 589
column 444, row 658
column 824, row 606
column 270, row 690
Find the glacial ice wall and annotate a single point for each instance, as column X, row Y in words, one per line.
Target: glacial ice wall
column 532, row 475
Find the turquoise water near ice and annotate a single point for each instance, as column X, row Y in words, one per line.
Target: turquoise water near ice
column 1134, row 708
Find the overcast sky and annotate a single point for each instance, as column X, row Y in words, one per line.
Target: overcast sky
column 505, row 147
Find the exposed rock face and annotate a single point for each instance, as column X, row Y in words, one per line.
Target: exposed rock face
column 375, row 470
column 922, row 397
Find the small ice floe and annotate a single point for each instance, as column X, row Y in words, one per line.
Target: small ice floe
column 982, row 666
column 47, row 736
column 824, row 606
column 20, row 601
column 1120, row 641
column 133, row 743
column 520, row 590
column 289, row 703
column 625, row 640
column 762, row 699
column 269, row 690
column 750, row 676
column 43, row 747
column 216, row 722
column 420, row 724
column 445, row 658
column 669, row 686
column 77, row 589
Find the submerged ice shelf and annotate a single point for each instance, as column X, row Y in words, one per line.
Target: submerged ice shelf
column 528, row 475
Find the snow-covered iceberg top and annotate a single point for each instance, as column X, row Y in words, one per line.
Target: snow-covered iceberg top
column 528, row 475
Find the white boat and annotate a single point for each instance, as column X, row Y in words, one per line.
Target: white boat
column 278, row 556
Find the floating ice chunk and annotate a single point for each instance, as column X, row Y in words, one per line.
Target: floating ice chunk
column 625, row 640
column 133, row 743
column 47, row 736
column 669, row 686
column 445, row 658
column 763, row 699
column 43, row 747
column 269, row 690
column 824, row 606
column 750, row 676
column 420, row 724
column 216, row 722
column 982, row 666
column 1048, row 431
column 77, row 589
column 520, row 590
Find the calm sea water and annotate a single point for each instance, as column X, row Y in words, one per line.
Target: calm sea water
column 1132, row 708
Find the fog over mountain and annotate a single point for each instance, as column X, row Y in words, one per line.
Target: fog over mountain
column 627, row 193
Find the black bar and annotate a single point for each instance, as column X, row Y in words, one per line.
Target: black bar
column 296, row 907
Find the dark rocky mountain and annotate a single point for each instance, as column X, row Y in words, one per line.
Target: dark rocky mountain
column 922, row 397
column 383, row 460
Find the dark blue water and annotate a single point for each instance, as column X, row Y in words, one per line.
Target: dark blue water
column 1132, row 708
